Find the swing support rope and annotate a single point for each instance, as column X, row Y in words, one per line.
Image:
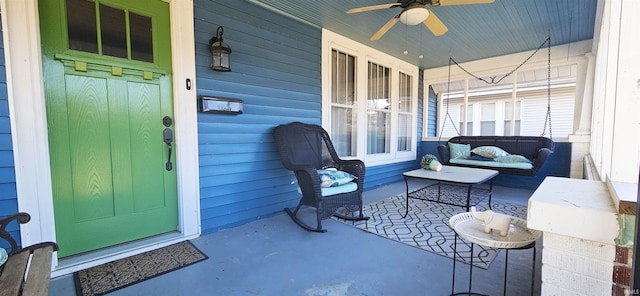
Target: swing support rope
column 492, row 80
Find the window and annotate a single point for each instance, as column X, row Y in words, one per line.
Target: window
column 343, row 103
column 468, row 117
column 369, row 102
column 378, row 109
column 405, row 112
column 509, row 113
column 488, row 119
column 122, row 33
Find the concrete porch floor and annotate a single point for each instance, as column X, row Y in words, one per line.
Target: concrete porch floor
column 273, row 256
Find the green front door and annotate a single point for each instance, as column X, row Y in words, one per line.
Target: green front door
column 107, row 74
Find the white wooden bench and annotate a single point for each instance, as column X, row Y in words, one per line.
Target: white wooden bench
column 27, row 270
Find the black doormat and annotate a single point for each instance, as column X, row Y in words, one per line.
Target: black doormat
column 128, row 271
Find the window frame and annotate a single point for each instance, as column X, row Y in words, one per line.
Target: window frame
column 364, row 55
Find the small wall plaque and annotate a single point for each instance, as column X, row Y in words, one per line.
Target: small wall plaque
column 220, row 105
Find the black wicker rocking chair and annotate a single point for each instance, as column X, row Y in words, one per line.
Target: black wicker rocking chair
column 305, row 149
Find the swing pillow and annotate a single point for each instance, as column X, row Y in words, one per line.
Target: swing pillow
column 459, row 151
column 489, row 151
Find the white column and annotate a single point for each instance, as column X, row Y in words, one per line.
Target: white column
column 584, row 96
column 465, row 104
column 625, row 152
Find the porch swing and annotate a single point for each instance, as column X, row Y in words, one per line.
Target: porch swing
column 513, row 155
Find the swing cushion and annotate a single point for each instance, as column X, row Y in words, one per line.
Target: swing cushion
column 525, row 155
column 489, row 151
column 493, row 164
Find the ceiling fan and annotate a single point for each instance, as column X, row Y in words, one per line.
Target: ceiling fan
column 415, row 12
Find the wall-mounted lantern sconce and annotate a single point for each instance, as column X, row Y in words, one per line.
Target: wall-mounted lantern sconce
column 220, row 52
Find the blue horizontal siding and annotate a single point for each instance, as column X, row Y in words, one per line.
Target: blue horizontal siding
column 276, row 71
column 8, row 192
column 8, row 195
column 5, row 127
column 381, row 175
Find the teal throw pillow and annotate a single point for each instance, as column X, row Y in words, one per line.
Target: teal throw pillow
column 489, row 151
column 459, row 151
column 514, row 158
column 332, row 177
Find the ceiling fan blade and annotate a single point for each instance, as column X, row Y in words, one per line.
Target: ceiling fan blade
column 463, row 2
column 435, row 25
column 372, row 7
column 385, row 28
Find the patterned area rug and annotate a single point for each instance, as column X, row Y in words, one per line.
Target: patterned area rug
column 427, row 226
column 125, row 272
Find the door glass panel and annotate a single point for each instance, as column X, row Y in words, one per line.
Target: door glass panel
column 81, row 25
column 141, row 37
column 114, row 31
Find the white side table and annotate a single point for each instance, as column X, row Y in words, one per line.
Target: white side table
column 470, row 229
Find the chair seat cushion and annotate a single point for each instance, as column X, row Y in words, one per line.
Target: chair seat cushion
column 345, row 188
column 348, row 187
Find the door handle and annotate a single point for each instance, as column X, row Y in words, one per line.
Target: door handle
column 167, row 135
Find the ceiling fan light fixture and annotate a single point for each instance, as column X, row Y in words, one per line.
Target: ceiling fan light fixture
column 414, row 16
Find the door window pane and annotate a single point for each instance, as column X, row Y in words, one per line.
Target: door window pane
column 117, row 37
column 141, row 37
column 113, row 31
column 81, row 25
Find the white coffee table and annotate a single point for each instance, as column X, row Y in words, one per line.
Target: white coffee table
column 459, row 184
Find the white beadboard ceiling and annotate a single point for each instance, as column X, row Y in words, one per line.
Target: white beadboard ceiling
column 475, row 31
